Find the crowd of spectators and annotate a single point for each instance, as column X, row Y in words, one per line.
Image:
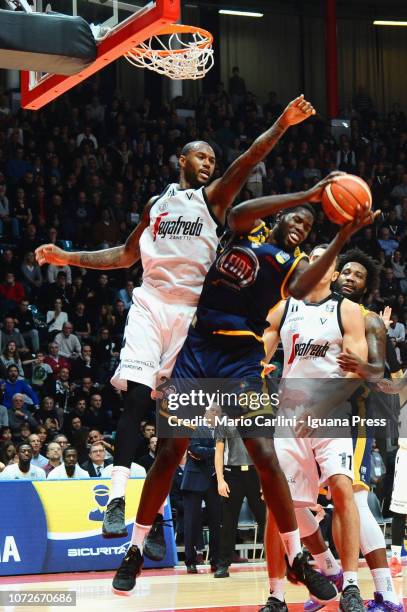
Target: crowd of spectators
column 78, row 174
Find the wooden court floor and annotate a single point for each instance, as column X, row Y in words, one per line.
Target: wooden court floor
column 173, row 590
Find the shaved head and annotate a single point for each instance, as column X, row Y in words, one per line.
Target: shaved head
column 195, row 145
column 197, row 164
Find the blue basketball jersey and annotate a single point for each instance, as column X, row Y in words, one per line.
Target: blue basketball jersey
column 247, row 279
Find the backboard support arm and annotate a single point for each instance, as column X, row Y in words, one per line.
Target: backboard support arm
column 130, row 33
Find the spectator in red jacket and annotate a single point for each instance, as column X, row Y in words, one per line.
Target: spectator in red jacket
column 12, row 292
column 56, row 361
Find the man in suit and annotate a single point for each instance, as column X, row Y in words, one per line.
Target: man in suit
column 199, row 483
column 177, row 501
column 96, row 461
column 147, row 460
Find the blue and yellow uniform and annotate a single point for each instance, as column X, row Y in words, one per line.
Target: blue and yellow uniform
column 362, row 437
column 248, row 278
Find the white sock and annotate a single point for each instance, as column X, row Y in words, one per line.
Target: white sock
column 277, row 588
column 138, row 535
column 384, row 584
column 396, row 552
column 327, row 563
column 350, row 578
column 292, row 544
column 120, row 476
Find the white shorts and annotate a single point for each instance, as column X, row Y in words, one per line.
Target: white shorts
column 399, row 494
column 308, row 463
column 154, row 334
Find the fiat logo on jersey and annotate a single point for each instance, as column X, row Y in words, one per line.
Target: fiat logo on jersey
column 240, row 264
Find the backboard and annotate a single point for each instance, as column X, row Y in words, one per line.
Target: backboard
column 117, row 26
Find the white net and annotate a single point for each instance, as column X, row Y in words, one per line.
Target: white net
column 176, row 58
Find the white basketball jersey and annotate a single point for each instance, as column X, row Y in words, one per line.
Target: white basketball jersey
column 179, row 245
column 403, row 428
column 312, row 337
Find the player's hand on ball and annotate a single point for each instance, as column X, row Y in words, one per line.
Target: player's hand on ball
column 223, row 489
column 315, row 193
column 363, row 216
column 50, row 254
column 297, row 111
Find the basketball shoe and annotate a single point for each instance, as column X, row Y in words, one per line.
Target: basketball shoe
column 154, row 546
column 351, row 601
column 124, row 580
column 312, row 605
column 113, row 521
column 274, row 605
column 380, row 604
column 320, row 588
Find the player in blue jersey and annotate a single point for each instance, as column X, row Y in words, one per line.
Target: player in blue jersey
column 254, row 271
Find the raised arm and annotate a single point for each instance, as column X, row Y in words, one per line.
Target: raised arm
column 306, row 276
column 244, row 217
column 123, row 256
column 223, row 191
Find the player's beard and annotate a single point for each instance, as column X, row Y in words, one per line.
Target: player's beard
column 192, row 179
column 356, row 295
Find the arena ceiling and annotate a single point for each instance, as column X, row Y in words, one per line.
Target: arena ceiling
column 396, row 9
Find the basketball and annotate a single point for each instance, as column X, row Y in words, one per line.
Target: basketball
column 341, row 198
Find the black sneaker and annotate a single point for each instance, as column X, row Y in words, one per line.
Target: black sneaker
column 113, row 522
column 351, row 600
column 124, row 580
column 274, row 605
column 221, row 572
column 154, row 546
column 318, row 585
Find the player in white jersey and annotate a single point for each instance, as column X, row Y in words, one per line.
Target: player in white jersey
column 357, row 276
column 399, row 494
column 176, row 241
column 313, row 333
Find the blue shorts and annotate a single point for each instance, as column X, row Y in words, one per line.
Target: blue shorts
column 228, row 369
column 219, row 356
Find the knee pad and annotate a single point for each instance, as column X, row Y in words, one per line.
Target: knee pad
column 371, row 536
column 307, row 523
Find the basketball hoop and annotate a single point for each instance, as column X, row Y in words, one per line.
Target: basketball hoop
column 190, row 57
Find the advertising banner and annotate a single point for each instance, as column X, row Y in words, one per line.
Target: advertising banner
column 55, row 526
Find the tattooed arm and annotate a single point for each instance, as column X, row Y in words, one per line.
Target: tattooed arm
column 123, row 256
column 373, row 367
column 223, row 191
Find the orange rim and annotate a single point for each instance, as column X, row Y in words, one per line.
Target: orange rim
column 177, row 28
